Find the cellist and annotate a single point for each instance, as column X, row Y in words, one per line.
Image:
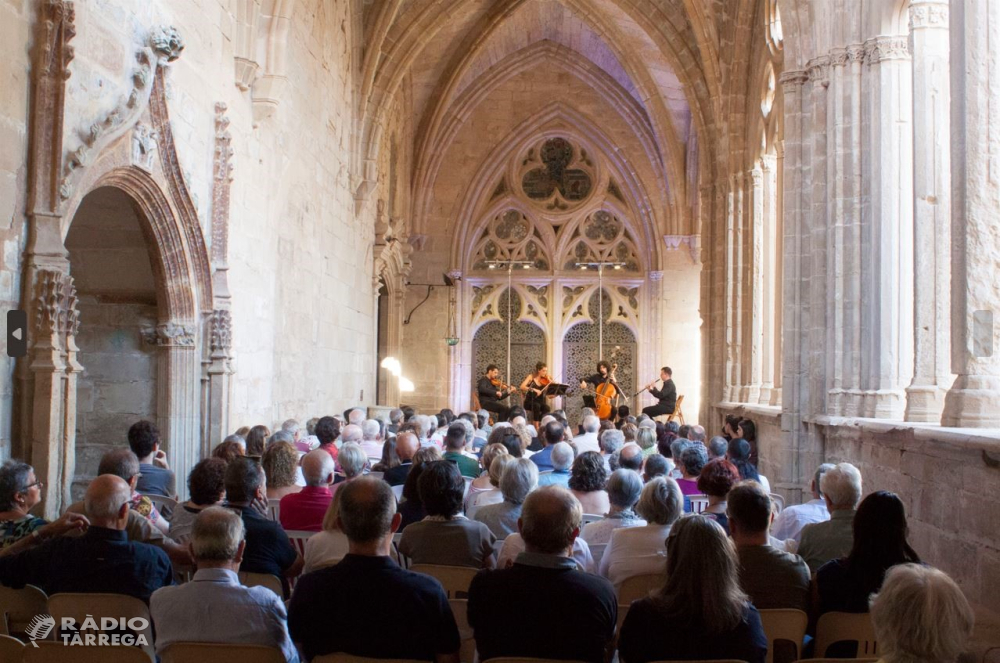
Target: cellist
column 603, row 376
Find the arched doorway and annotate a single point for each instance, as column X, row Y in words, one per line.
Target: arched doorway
column 112, row 269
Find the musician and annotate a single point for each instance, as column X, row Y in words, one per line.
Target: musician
column 667, row 395
column 602, row 375
column 536, row 399
column 491, row 393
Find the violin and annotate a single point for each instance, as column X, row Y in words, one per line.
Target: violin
column 501, row 387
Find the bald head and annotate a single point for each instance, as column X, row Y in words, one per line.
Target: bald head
column 407, row 444
column 352, row 433
column 107, row 501
column 550, row 520
column 318, row 468
column 630, row 457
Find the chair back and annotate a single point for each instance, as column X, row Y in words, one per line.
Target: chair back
column 455, row 579
column 78, row 606
column 525, row 659
column 839, row 660
column 398, row 492
column 350, row 658
column 460, row 608
column 677, row 413
column 777, row 502
column 698, row 503
column 274, row 509
column 199, row 652
column 268, row 580
column 376, row 475
column 20, row 606
column 639, row 587
column 834, row 627
column 298, row 539
column 58, row 652
column 165, row 505
column 786, row 625
column 10, row 649
column 590, row 518
column 597, row 552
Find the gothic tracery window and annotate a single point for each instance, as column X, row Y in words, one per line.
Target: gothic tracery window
column 557, row 174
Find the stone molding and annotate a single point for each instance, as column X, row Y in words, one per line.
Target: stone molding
column 819, row 70
column 56, row 313
column 690, row 242
column 886, row 48
column 929, row 15
column 222, row 169
column 170, row 334
column 790, row 80
column 221, row 331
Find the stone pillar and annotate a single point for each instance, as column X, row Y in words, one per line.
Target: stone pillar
column 819, row 358
column 734, row 281
column 178, row 403
column 753, row 348
column 770, row 279
column 931, row 211
column 975, row 160
column 219, row 375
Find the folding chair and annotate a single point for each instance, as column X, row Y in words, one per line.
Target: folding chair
column 834, row 627
column 779, row 503
column 460, row 608
column 597, row 552
column 79, row 606
column 677, row 414
column 785, row 625
column 274, row 509
column 199, row 652
column 590, row 518
column 268, row 580
column 58, row 652
column 165, row 505
column 639, row 587
column 698, row 503
column 455, row 579
column 20, row 606
column 298, row 539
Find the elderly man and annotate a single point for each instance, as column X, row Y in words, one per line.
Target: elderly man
column 395, row 420
column 454, row 444
column 268, row 549
column 352, row 433
column 630, row 457
column 821, row 542
column 355, row 416
column 655, row 466
column 717, row 447
column 371, row 439
column 101, row 561
column 561, row 458
column 125, row 465
column 612, row 440
column 624, row 489
column 407, row 444
column 305, row 509
column 552, row 434
column 772, row 578
column 519, row 478
column 587, row 440
column 562, row 613
column 377, row 593
column 789, row 523
column 214, row 606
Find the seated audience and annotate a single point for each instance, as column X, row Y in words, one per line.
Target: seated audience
column 656, row 466
column 513, row 546
column 268, row 549
column 329, row 545
column 587, row 439
column 636, row 551
column 494, row 495
column 229, row 449
column 844, row 585
column 693, row 459
column 624, row 488
column 482, row 483
column 256, row 439
column 125, row 465
column 407, row 444
column 327, row 432
column 411, row 508
column 612, row 442
column 351, row 433
column 446, row 537
column 630, row 457
column 304, row 510
column 560, row 611
column 552, row 434
column 729, row 426
column 789, row 523
column 833, row 539
column 771, row 578
column 352, row 462
column 519, row 478
column 677, row 448
column 738, row 454
column 717, row 447
column 715, row 481
column 700, row 613
column 645, row 437
column 20, row 491
column 389, row 458
column 748, row 431
column 371, row 438
column 380, row 592
column 454, row 444
column 505, row 434
column 587, row 480
column 280, row 460
column 207, row 487
column 281, row 436
column 156, row 479
column 214, row 606
column 697, row 434
column 561, row 457
column 102, row 560
column 920, row 616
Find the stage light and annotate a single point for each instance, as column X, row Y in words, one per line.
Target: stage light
column 405, row 385
column 618, row 266
column 392, row 365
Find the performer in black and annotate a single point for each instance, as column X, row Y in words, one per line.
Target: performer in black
column 600, row 377
column 533, row 387
column 667, row 395
column 491, row 392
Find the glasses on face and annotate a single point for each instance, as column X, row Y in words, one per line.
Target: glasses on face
column 32, row 485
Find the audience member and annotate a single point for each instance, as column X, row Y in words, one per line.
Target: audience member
column 729, row 426
column 20, row 491
column 454, row 443
column 494, row 495
column 411, row 509
column 612, row 442
column 395, row 420
column 280, row 462
column 407, row 444
column 561, row 457
column 844, row 585
column 693, row 459
column 677, row 448
column 561, row 612
column 206, row 487
column 329, row 545
column 214, row 606
column 242, row 433
column 445, row 536
column 327, row 432
column 268, row 549
column 701, row 612
column 519, row 478
column 293, row 428
column 156, row 479
column 505, row 434
column 552, row 433
column 739, row 455
column 629, row 430
column 630, row 457
column 772, row 578
column 304, row 510
column 656, row 466
column 718, row 447
column 482, row 483
column 311, row 426
column 280, row 436
column 351, row 433
column 355, row 416
column 102, row 560
column 381, row 593
column 789, row 523
column 640, row 550
column 256, row 439
column 624, row 488
column 123, row 464
column 389, row 458
column 748, row 431
column 697, row 434
column 587, row 439
column 352, row 461
column 229, row 449
column 371, row 438
column 587, row 481
column 833, row 539
column 715, row 481
column 645, row 437
column 920, row 616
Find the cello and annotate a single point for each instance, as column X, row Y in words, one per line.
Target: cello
column 603, row 395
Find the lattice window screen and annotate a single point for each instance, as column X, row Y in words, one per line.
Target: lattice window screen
column 490, row 346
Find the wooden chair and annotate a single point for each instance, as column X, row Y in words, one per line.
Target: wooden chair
column 165, row 505
column 274, row 509
column 677, row 414
column 20, row 606
column 698, row 503
column 298, row 539
column 525, row 659
column 350, row 658
column 455, row 579
column 268, row 580
column 10, row 649
column 460, row 608
column 639, row 587
column 590, row 518
column 79, row 606
column 837, row 660
column 58, row 652
column 788, row 625
column 199, row 652
column 834, row 627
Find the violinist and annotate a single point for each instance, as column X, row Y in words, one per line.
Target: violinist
column 602, row 376
column 491, row 391
column 667, row 396
column 534, row 389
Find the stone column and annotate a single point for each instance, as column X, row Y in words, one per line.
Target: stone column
column 753, row 347
column 817, row 362
column 975, row 160
column 178, row 404
column 734, row 281
column 770, row 279
column 931, row 211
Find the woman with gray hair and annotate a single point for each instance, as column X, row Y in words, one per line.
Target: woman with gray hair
column 520, row 477
column 352, row 461
column 920, row 616
column 624, row 489
column 636, row 551
column 20, row 490
column 693, row 458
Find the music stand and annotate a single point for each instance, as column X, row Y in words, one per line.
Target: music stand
column 555, row 389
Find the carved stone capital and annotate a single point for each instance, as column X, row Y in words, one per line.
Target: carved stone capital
column 932, row 14
column 56, row 313
column 655, row 276
column 838, row 57
column 169, row 334
column 887, row 48
column 792, row 80
column 819, row 70
column 221, row 331
column 455, row 274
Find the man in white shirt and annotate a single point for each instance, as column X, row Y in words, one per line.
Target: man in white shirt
column 371, row 442
column 588, row 440
column 789, row 523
